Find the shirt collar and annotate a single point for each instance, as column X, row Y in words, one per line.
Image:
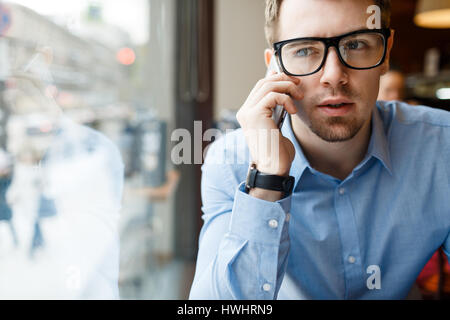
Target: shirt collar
column 300, row 162
column 378, row 146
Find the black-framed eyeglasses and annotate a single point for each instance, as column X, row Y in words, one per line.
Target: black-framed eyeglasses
column 360, row 50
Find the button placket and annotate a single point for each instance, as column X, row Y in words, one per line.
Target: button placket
column 349, row 240
column 273, row 224
column 266, row 287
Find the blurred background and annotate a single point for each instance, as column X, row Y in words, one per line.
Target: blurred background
column 135, row 71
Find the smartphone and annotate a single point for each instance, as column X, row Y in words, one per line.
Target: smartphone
column 279, row 113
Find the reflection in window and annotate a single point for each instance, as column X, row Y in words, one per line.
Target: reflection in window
column 84, row 194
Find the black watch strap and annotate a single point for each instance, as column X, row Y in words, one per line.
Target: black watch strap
column 257, row 179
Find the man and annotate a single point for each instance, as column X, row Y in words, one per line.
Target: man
column 370, row 203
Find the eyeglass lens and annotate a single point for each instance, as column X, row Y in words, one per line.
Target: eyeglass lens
column 360, row 51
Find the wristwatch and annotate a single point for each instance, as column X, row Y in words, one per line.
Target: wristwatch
column 257, row 179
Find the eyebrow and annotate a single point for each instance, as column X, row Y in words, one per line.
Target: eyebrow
column 307, row 41
column 312, row 38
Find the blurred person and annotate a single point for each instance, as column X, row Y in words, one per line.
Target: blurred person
column 5, row 182
column 65, row 195
column 351, row 200
column 392, row 86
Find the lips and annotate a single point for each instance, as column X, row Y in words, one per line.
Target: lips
column 335, row 102
column 336, row 106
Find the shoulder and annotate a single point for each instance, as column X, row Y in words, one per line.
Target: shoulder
column 422, row 130
column 418, row 126
column 402, row 113
column 90, row 140
column 78, row 143
column 104, row 157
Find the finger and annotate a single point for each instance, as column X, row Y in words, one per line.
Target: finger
column 287, row 87
column 282, row 77
column 254, row 97
column 275, row 77
column 270, row 101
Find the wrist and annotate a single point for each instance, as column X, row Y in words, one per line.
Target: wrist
column 274, row 171
column 273, row 168
column 268, row 186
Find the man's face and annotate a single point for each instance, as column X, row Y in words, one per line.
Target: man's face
column 334, row 83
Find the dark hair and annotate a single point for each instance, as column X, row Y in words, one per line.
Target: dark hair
column 273, row 12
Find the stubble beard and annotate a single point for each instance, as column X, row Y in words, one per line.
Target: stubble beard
column 330, row 129
column 335, row 129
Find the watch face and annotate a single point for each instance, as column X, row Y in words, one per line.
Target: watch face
column 250, row 182
column 247, row 180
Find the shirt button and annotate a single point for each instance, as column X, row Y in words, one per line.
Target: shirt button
column 267, row 287
column 351, row 259
column 341, row 191
column 273, row 224
column 288, row 217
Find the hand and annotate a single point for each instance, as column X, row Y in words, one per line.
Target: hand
column 163, row 192
column 272, row 153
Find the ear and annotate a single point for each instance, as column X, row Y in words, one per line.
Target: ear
column 390, row 44
column 268, row 53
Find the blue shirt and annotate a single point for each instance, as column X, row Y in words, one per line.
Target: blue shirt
column 366, row 237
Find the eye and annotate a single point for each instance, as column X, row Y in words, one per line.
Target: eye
column 355, row 45
column 304, row 52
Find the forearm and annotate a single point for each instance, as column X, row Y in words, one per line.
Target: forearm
column 250, row 257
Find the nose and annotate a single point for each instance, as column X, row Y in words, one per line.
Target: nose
column 334, row 73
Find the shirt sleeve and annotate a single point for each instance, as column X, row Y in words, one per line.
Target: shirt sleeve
column 446, row 160
column 244, row 242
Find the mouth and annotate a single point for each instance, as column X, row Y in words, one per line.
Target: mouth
column 336, row 107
